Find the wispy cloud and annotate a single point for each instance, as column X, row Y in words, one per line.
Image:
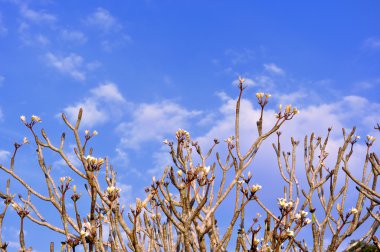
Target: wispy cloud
column 154, row 121
column 71, row 65
column 273, row 68
column 73, row 36
column 35, row 16
column 4, row 155
column 103, row 20
column 372, row 43
column 339, row 114
column 239, row 56
column 102, row 104
column 108, row 92
column 30, row 37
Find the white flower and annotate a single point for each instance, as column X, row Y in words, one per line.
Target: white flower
column 206, row 169
column 166, row 141
column 36, row 118
column 255, row 188
column 94, row 133
column 307, row 221
column 22, row 118
column 229, row 139
column 289, row 232
column 25, row 140
column 86, row 132
column 241, row 80
column 371, row 138
column 284, row 204
column 303, row 213
column 354, row 210
column 288, row 109
column 179, row 172
column 180, row 134
column 256, row 241
column 259, row 95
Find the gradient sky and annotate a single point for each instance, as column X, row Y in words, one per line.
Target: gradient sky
column 143, row 69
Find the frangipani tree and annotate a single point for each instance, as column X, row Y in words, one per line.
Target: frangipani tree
column 181, row 209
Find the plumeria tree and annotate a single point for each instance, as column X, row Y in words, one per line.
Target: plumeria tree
column 182, row 207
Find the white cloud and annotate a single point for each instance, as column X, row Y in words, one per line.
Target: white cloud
column 108, row 91
column 41, row 39
column 71, row 65
column 311, row 119
column 4, row 155
column 103, row 20
column 92, row 113
column 372, row 43
column 37, row 16
column 161, row 159
column 153, row 122
column 71, row 156
column 77, row 37
column 109, row 45
column 102, row 104
column 273, row 68
column 291, row 98
column 239, row 56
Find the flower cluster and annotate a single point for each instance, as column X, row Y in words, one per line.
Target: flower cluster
column 112, row 193
column 289, row 233
column 65, row 184
column 230, row 142
column 87, row 134
column 250, row 191
column 94, row 164
column 301, row 218
column 33, row 120
column 263, row 98
column 353, row 210
column 22, row 212
column 288, row 113
column 284, row 205
column 370, row 139
column 88, row 230
column 182, row 135
column 203, row 171
column 75, row 197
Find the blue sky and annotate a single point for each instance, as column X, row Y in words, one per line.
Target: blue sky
column 142, row 69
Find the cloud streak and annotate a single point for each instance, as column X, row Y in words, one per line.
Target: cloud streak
column 37, row 16
column 103, row 103
column 103, row 20
column 153, row 122
column 70, row 65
